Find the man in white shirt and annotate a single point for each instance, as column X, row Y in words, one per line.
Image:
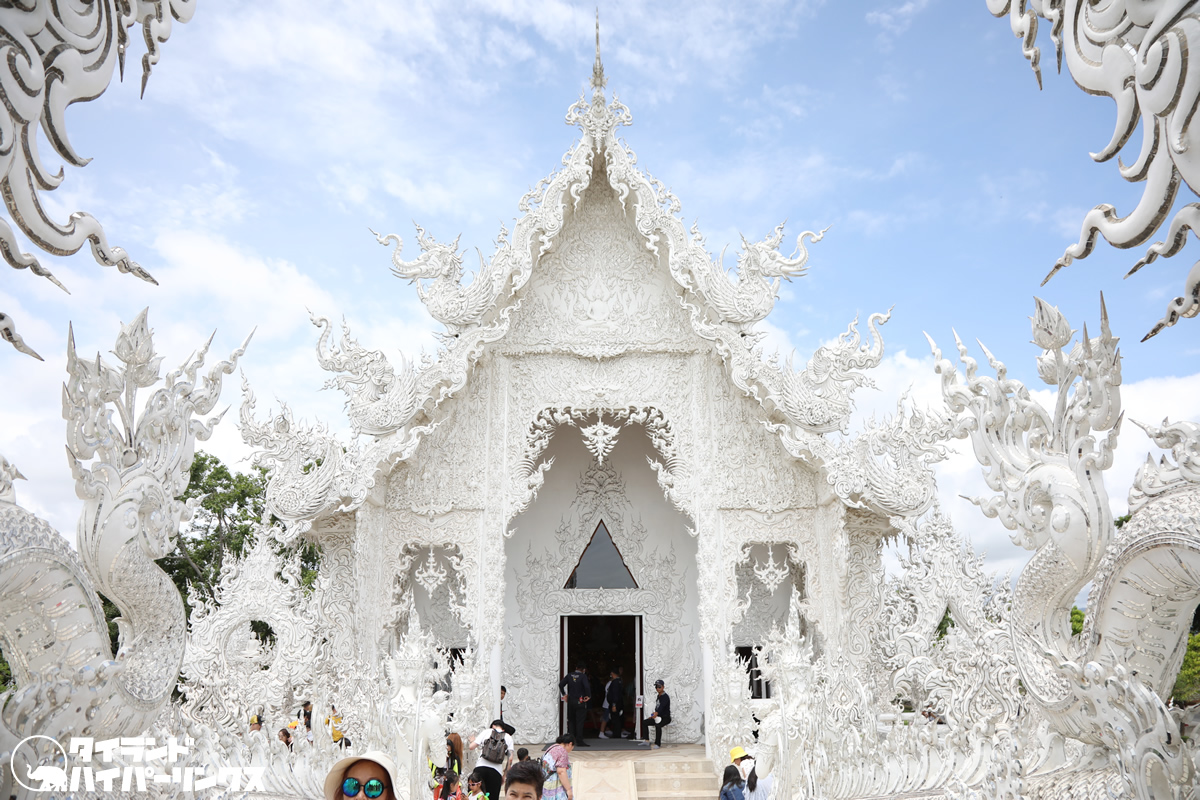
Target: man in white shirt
column 493, row 774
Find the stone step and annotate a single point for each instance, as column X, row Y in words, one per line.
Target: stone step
column 697, row 766
column 649, row 783
column 709, row 795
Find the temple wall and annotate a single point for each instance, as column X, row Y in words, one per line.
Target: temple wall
column 546, row 543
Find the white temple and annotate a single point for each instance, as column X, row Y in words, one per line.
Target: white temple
column 600, row 465
column 601, row 370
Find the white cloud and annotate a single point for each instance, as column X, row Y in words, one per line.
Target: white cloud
column 897, row 20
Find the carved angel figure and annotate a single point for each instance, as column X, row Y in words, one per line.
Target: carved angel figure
column 760, row 270
column 1137, row 53
column 449, row 302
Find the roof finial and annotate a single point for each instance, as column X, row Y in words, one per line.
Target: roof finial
column 598, row 79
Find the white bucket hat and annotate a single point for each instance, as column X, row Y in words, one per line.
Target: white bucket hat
column 333, row 781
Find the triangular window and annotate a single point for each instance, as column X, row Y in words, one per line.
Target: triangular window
column 601, row 565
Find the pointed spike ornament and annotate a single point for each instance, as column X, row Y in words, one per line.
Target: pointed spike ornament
column 598, row 79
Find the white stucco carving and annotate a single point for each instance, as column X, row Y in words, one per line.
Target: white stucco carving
column 1137, row 54
column 1104, row 688
column 130, row 466
column 602, row 367
column 55, row 55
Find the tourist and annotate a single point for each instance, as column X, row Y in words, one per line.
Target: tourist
column 454, row 760
column 732, row 785
column 255, row 723
column 524, row 782
column 371, row 775
column 475, row 790
column 736, row 756
column 332, row 722
column 447, row 787
column 454, row 752
column 757, row 789
column 614, row 705
column 522, row 754
column 503, row 693
column 576, row 691
column 305, row 714
column 745, row 764
column 495, row 747
column 285, row 736
column 556, row 762
column 660, row 717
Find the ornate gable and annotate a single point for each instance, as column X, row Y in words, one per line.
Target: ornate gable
column 599, row 264
column 598, row 291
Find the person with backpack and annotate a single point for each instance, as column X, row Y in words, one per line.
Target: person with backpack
column 495, row 748
column 556, row 769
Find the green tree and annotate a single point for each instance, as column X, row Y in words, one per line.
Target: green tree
column 1076, row 621
column 944, row 626
column 1187, row 684
column 230, row 503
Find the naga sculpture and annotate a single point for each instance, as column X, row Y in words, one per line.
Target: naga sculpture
column 380, row 397
column 760, row 270
column 1106, row 687
column 129, row 470
column 57, row 54
column 449, row 302
column 1137, row 53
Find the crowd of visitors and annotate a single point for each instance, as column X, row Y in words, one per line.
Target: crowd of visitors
column 502, row 770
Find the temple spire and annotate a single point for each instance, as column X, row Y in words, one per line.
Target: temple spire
column 598, row 79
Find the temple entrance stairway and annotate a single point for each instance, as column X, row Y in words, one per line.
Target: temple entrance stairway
column 682, row 779
column 675, row 772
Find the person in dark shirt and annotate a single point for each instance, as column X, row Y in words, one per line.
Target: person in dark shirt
column 661, row 716
column 577, row 692
column 614, row 706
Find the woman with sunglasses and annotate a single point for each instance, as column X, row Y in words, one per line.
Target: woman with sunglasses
column 370, row 776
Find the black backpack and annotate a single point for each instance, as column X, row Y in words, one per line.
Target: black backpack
column 494, row 748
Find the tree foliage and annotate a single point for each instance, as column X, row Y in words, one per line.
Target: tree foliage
column 944, row 626
column 1076, row 620
column 228, row 506
column 1187, row 684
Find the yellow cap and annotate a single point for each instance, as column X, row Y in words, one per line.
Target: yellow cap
column 736, row 753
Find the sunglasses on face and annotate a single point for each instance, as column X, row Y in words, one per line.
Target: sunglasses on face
column 372, row 788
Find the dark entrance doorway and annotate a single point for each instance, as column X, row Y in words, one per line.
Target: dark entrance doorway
column 602, row 643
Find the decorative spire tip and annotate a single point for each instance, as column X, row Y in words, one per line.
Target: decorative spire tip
column 598, row 79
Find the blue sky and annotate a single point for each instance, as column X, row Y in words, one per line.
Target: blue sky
column 271, row 136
